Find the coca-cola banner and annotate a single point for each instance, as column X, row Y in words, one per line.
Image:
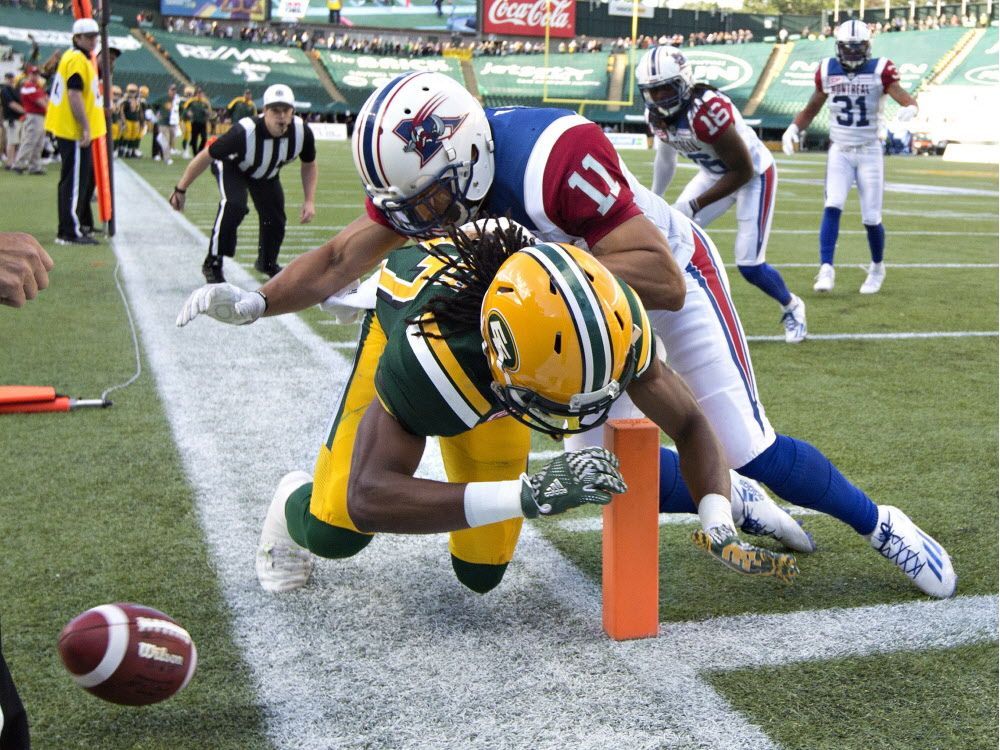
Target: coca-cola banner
column 528, row 17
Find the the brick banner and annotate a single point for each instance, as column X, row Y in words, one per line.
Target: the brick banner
column 528, row 17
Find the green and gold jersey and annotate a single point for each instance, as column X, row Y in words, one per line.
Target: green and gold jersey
column 441, row 386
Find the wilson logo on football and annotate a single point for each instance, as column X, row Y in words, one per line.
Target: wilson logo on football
column 529, row 17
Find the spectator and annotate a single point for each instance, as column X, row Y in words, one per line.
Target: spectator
column 334, row 6
column 241, row 106
column 12, row 111
column 34, row 102
column 75, row 117
column 167, row 119
column 198, row 111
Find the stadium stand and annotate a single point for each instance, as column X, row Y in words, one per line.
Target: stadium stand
column 52, row 32
column 225, row 67
column 979, row 68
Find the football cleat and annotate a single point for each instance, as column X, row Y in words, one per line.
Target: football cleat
column 794, row 321
column 754, row 512
column 824, row 279
column 873, row 282
column 725, row 546
column 922, row 559
column 281, row 564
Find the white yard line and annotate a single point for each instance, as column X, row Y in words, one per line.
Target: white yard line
column 387, row 649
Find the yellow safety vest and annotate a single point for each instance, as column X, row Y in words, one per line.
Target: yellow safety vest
column 59, row 119
column 334, row 4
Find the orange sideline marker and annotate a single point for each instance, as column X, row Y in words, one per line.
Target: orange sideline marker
column 631, row 534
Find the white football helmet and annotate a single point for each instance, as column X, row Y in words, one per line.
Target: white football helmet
column 424, row 150
column 664, row 78
column 854, row 45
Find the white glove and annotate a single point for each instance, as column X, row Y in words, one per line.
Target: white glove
column 225, row 303
column 687, row 208
column 789, row 139
column 907, row 113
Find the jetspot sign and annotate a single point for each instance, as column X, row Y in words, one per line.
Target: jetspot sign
column 719, row 69
column 529, row 17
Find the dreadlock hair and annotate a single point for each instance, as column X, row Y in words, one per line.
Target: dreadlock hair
column 470, row 263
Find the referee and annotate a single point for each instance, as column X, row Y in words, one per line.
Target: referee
column 246, row 159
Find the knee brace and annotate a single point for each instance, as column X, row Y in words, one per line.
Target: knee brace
column 478, row 577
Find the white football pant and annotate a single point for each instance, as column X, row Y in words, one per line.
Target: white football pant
column 847, row 165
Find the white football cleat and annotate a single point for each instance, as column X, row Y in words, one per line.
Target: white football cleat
column 756, row 513
column 281, row 564
column 873, row 282
column 794, row 321
column 923, row 560
column 824, row 279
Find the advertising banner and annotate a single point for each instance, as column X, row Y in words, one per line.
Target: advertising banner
column 580, row 76
column 628, row 7
column 363, row 72
column 409, row 15
column 228, row 10
column 529, row 17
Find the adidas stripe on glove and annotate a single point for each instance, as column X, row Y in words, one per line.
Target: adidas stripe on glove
column 587, row 476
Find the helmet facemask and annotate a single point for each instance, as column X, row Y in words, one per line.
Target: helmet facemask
column 854, row 54
column 666, row 98
column 433, row 210
column 585, row 411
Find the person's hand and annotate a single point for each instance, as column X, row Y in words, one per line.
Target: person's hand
column 224, row 302
column 177, row 198
column 575, row 478
column 308, row 212
column 24, row 268
column 85, row 137
column 907, row 113
column 789, row 138
column 688, row 208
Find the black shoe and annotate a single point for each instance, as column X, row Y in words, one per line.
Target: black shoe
column 268, row 269
column 86, row 240
column 213, row 272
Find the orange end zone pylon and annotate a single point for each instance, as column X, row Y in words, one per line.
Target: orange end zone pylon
column 631, row 535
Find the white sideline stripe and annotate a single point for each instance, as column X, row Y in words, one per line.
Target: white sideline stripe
column 864, row 268
column 594, row 523
column 389, row 637
column 908, row 232
column 885, row 336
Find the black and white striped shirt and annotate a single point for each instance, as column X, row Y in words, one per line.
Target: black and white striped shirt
column 257, row 153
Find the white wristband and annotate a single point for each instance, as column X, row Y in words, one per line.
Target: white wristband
column 715, row 510
column 489, row 502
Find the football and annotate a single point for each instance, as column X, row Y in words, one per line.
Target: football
column 128, row 654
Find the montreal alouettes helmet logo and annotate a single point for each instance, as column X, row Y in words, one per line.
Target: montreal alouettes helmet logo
column 424, row 132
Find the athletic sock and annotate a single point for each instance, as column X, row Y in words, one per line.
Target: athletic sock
column 828, row 232
column 876, row 241
column 797, row 472
column 767, row 278
column 674, row 494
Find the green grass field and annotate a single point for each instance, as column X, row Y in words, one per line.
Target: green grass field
column 912, row 421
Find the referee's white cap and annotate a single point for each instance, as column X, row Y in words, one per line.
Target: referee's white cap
column 85, row 26
column 279, row 93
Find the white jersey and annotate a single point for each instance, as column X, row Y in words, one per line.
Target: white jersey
column 855, row 99
column 696, row 130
